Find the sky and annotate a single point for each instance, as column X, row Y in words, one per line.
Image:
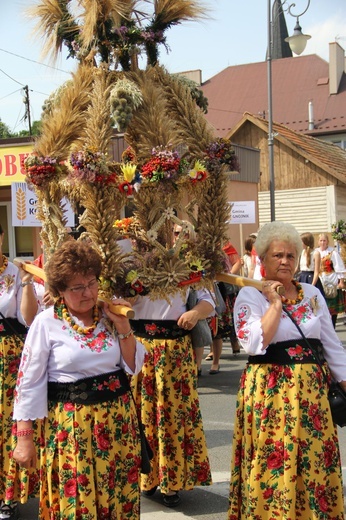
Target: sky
column 233, row 33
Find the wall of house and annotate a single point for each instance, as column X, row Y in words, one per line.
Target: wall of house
column 310, row 209
column 290, row 168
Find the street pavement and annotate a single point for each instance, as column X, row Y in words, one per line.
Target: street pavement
column 218, row 399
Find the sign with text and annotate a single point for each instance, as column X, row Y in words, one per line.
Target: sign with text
column 11, row 158
column 24, row 205
column 242, row 212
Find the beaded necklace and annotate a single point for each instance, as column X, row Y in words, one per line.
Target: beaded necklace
column 287, row 301
column 63, row 314
column 4, row 264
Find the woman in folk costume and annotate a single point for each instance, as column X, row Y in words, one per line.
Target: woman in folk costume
column 285, row 460
column 331, row 262
column 72, row 376
column 310, row 262
column 167, row 392
column 18, row 307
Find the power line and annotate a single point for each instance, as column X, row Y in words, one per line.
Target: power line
column 12, row 78
column 14, row 92
column 34, row 61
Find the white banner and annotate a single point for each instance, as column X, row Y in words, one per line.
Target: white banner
column 24, row 204
column 242, row 212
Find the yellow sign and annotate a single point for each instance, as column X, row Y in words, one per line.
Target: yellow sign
column 11, row 158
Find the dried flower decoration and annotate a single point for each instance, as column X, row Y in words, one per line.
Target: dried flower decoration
column 198, row 172
column 41, row 170
column 129, row 155
column 222, row 152
column 8, row 281
column 314, row 304
column 92, row 166
column 164, row 164
column 123, row 225
column 339, row 231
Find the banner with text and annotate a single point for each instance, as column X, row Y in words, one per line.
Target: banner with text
column 24, row 204
column 242, row 212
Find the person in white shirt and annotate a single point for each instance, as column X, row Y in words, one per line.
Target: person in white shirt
column 285, row 456
column 310, row 262
column 332, row 266
column 167, row 394
column 73, row 376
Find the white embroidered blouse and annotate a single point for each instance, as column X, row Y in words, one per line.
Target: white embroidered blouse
column 11, row 293
column 54, row 351
column 311, row 314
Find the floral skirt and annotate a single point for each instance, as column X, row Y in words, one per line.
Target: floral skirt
column 167, row 395
column 15, row 484
column 90, row 463
column 285, row 461
column 336, row 305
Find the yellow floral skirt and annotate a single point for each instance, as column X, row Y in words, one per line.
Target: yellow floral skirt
column 166, row 392
column 90, row 463
column 285, row 461
column 15, row 484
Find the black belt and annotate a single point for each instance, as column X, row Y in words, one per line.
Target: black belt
column 160, row 329
column 90, row 390
column 293, row 352
column 11, row 326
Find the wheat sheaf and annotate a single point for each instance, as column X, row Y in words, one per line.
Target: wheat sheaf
column 21, row 204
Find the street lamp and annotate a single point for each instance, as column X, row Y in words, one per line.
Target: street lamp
column 297, row 43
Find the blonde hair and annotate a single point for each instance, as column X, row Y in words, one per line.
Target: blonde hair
column 324, row 235
column 309, row 241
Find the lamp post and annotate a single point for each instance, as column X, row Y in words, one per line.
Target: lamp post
column 297, row 42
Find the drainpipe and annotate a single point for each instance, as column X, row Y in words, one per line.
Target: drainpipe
column 311, row 116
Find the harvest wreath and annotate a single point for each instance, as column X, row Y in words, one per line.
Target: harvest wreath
column 173, row 169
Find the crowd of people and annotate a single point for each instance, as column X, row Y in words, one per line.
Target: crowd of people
column 78, row 382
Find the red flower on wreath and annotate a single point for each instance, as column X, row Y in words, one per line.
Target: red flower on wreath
column 126, row 187
column 164, row 164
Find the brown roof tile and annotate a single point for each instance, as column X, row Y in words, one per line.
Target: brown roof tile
column 295, row 82
column 325, row 155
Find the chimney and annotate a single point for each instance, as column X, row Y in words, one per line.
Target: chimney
column 336, row 66
column 311, row 116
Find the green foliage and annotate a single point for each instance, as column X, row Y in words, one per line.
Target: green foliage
column 5, row 131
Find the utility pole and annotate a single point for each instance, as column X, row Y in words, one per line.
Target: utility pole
column 27, row 107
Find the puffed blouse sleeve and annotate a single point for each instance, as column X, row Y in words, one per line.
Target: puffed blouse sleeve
column 334, row 352
column 205, row 295
column 338, row 264
column 249, row 308
column 33, row 375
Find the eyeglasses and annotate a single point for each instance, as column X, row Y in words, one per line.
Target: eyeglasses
column 80, row 289
column 176, row 233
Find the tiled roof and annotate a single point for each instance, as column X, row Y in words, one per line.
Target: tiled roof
column 328, row 156
column 295, row 82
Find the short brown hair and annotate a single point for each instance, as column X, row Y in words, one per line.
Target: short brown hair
column 71, row 259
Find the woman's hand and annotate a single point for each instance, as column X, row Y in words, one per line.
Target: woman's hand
column 24, row 275
column 47, row 299
column 269, row 290
column 341, row 284
column 25, row 453
column 121, row 323
column 188, row 320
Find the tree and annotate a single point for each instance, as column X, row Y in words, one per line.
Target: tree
column 5, row 131
column 35, row 130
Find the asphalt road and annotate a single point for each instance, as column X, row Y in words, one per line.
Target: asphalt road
column 217, row 397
